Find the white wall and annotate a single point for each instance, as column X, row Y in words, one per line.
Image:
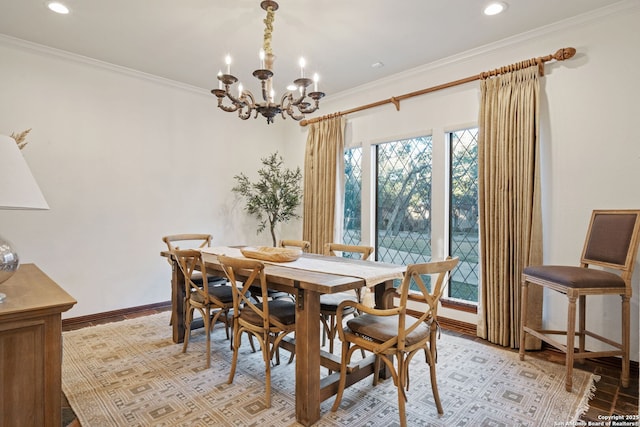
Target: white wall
column 122, row 160
column 590, row 150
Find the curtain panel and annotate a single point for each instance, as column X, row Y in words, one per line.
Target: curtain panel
column 323, row 157
column 510, row 211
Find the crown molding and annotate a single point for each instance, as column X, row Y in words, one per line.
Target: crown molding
column 73, row 57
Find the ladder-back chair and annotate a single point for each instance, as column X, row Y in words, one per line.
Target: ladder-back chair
column 192, row 241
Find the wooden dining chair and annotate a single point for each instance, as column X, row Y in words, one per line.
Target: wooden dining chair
column 611, row 244
column 396, row 331
column 213, row 302
column 192, row 241
column 268, row 321
column 329, row 302
column 305, row 245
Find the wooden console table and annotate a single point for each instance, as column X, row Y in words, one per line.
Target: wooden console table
column 31, row 349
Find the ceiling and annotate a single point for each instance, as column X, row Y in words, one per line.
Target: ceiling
column 187, row 40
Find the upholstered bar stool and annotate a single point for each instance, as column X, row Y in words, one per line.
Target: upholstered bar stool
column 612, row 245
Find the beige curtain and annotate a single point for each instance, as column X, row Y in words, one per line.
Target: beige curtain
column 510, row 213
column 325, row 146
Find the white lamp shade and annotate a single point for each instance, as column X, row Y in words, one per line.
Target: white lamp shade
column 18, row 188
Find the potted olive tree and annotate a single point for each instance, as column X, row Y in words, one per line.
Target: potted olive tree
column 276, row 195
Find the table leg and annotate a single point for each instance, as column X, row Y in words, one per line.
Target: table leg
column 307, row 356
column 177, row 303
column 379, row 290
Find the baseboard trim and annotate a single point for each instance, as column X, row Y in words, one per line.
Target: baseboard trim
column 115, row 313
column 457, row 325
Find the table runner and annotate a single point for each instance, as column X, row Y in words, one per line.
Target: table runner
column 370, row 271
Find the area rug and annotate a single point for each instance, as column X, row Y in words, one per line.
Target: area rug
column 130, row 373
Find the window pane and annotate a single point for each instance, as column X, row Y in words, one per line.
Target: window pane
column 463, row 221
column 403, row 201
column 351, row 233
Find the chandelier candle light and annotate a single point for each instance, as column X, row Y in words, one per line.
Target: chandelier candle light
column 294, row 102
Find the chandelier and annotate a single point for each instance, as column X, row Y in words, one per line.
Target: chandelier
column 296, row 102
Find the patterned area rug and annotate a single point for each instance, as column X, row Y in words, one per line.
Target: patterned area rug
column 130, row 373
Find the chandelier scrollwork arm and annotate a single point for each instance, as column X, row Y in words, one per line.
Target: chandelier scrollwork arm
column 228, row 109
column 246, row 95
column 239, row 101
column 308, row 109
column 287, row 106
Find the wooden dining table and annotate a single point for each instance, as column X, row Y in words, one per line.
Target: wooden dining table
column 326, row 275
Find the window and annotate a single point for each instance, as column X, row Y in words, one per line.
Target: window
column 463, row 214
column 351, row 227
column 403, row 201
column 401, row 214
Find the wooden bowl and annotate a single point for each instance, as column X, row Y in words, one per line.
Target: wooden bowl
column 269, row 253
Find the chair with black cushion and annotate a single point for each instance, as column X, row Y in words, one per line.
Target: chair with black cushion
column 269, row 321
column 192, row 241
column 329, row 302
column 611, row 245
column 396, row 332
column 213, row 302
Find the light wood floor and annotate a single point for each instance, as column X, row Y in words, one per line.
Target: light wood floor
column 610, row 397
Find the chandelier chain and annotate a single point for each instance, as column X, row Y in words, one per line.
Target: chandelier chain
column 268, row 30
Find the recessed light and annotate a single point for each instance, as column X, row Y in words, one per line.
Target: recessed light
column 495, row 8
column 377, row 65
column 58, row 7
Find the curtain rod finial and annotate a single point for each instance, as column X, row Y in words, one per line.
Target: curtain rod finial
column 565, row 53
